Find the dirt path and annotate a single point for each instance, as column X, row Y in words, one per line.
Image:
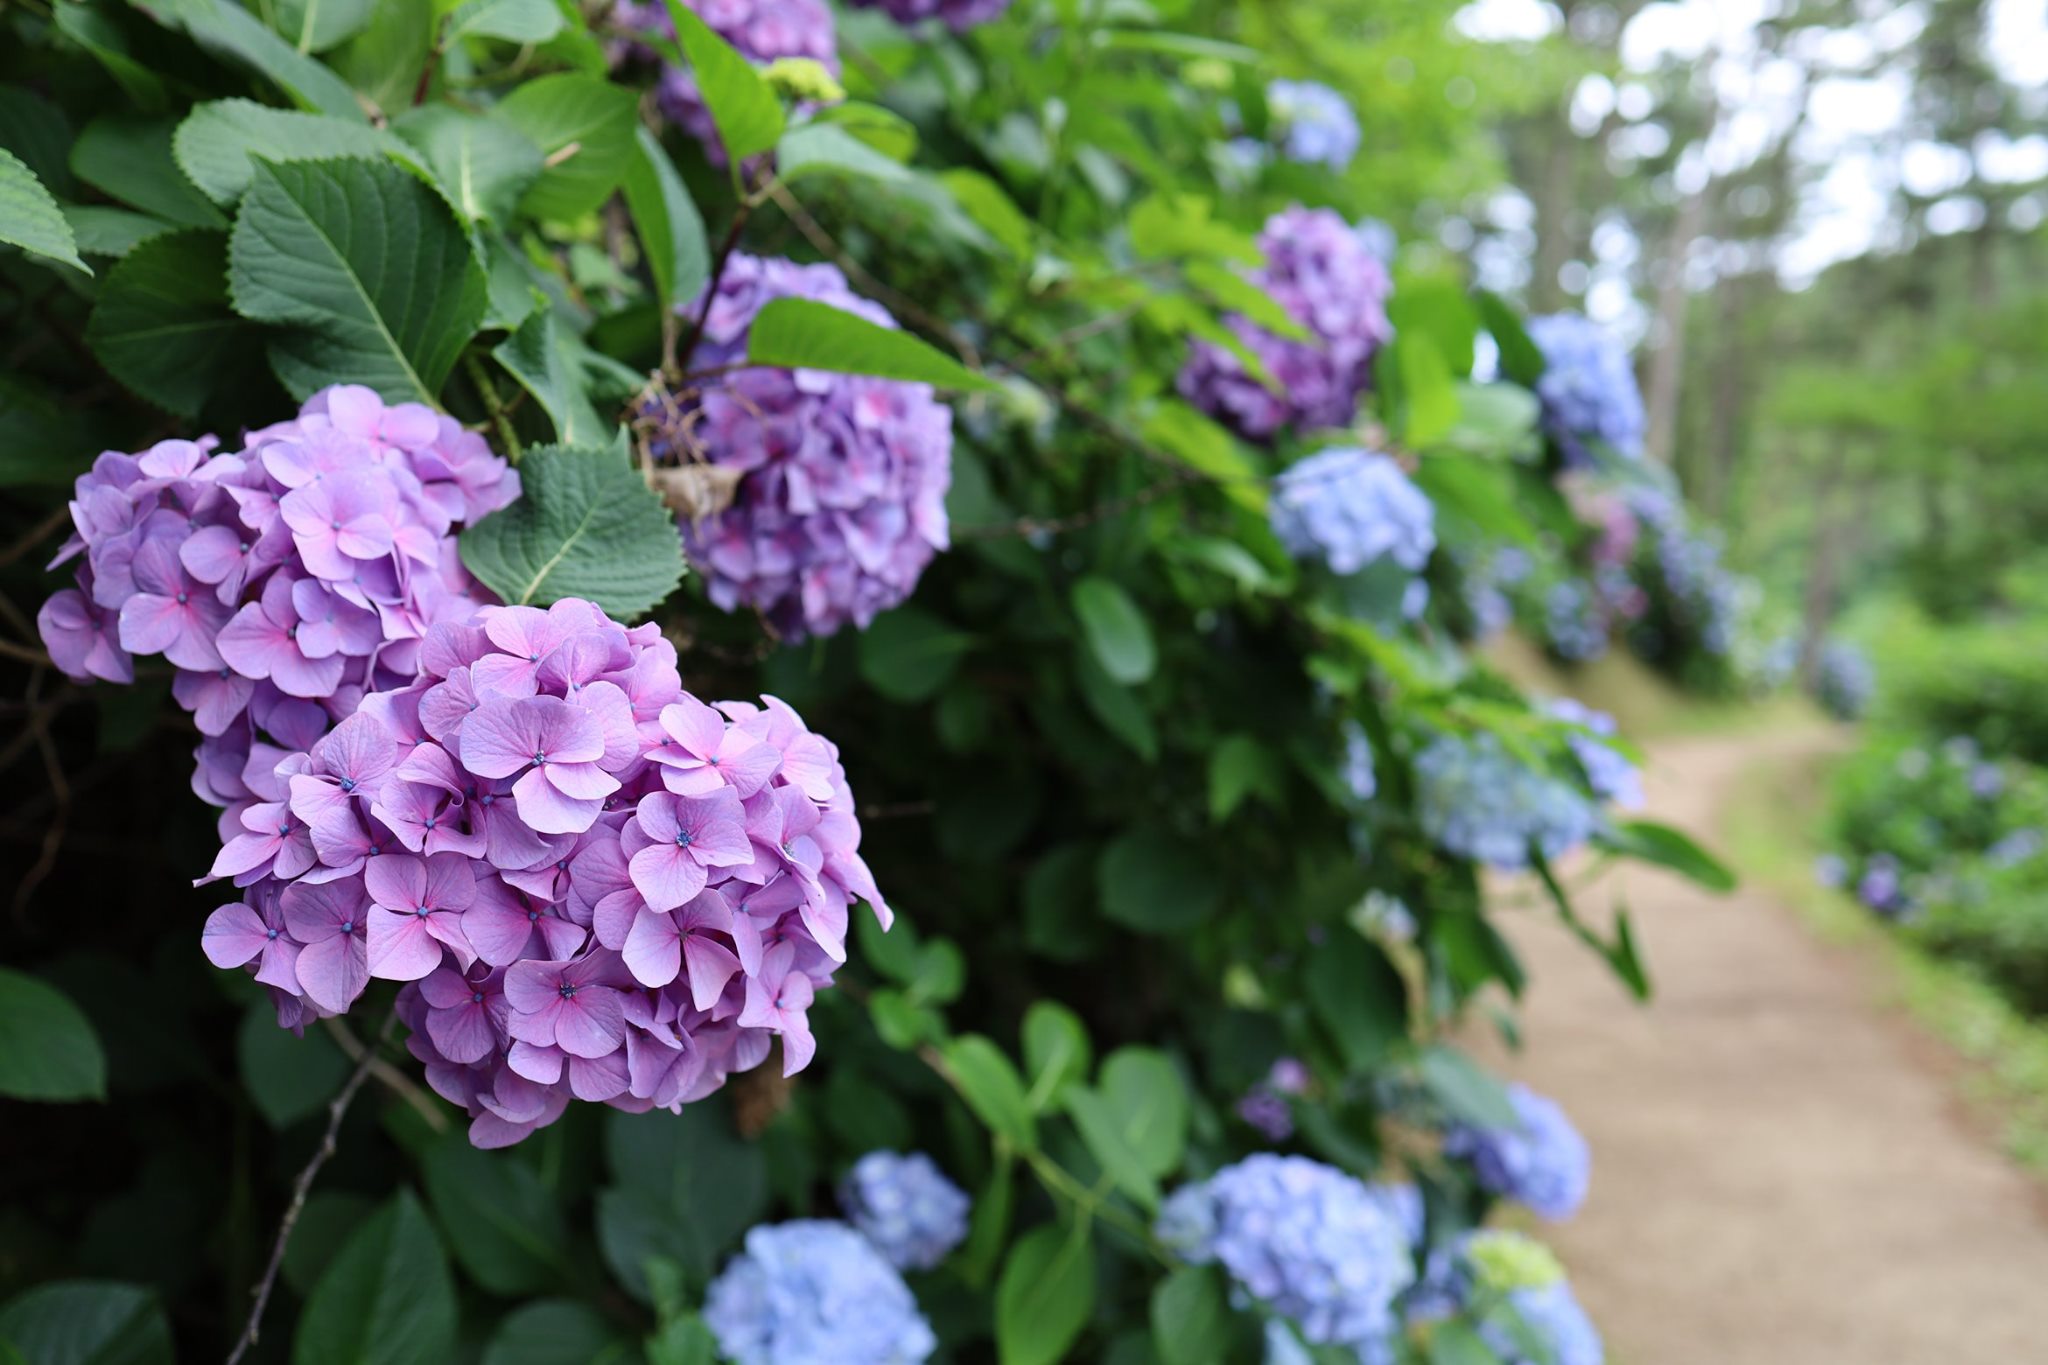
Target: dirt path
column 1781, row 1173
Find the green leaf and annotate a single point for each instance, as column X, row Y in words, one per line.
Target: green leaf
column 91, row 28
column 386, row 1300
column 901, row 1022
column 503, row 1224
column 30, row 218
column 1429, row 401
column 384, row 61
column 671, row 229
column 162, row 325
column 892, row 952
column 367, row 268
column 1116, row 630
column 1209, row 450
column 908, row 654
column 1620, row 955
column 537, row 355
column 48, row 1050
column 1238, row 294
column 1121, row 711
column 288, row 1077
column 316, row 25
column 327, row 1221
column 991, row 209
column 39, row 133
column 1667, row 847
column 514, row 21
column 684, row 1186
column 1520, row 358
column 681, row 1341
column 1464, row 1089
column 483, row 164
column 588, row 526
column 584, row 126
column 1157, row 883
column 1045, row 1295
column 1189, row 1320
column 1455, row 1343
column 86, row 1322
column 1057, row 1053
column 226, row 28
column 1179, row 226
column 131, row 160
column 822, row 149
column 554, row 1331
column 1240, row 766
column 1135, row 1121
column 45, row 442
column 989, row 1225
column 741, row 102
column 1360, row 998
column 1496, row 421
column 988, row 1081
column 805, row 334
column 102, row 230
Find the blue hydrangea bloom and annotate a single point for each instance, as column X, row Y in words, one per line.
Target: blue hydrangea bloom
column 1347, row 507
column 1553, row 1314
column 1608, row 772
column 1308, row 1241
column 1541, row 1162
column 1574, row 622
column 1478, row 801
column 906, row 1207
column 2015, row 848
column 1359, row 778
column 813, row 1292
column 1402, row 1200
column 1588, row 388
column 1317, row 123
column 1845, row 681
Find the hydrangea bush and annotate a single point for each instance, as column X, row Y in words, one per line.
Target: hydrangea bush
column 634, row 432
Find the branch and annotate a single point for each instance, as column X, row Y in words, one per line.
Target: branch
column 303, row 1186
column 389, row 1076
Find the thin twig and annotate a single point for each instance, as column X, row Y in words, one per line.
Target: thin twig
column 303, row 1186
column 35, row 535
column 389, row 1076
column 24, row 653
column 501, row 416
column 725, row 250
column 60, row 819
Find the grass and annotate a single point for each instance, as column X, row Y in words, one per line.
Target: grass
column 1775, row 838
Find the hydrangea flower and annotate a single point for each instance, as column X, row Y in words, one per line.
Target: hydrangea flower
column 841, row 494
column 1541, row 1161
column 1326, row 279
column 1494, row 1274
column 1265, row 1106
column 1574, row 622
column 1844, row 682
column 1479, row 801
column 1608, row 771
column 1304, row 1239
column 1346, row 507
column 284, row 581
column 1588, row 389
column 958, row 15
column 1553, row 1315
column 1317, row 123
column 1882, row 886
column 813, row 1292
column 597, row 886
column 906, row 1207
column 1357, row 769
column 762, row 31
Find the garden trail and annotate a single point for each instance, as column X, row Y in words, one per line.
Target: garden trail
column 1782, row 1172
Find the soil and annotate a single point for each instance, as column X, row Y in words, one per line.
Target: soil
column 1782, row 1172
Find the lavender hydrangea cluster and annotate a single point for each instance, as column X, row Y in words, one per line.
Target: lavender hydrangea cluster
column 958, row 15
column 1265, row 1105
column 596, row 886
column 1478, row 801
column 1317, row 125
column 906, row 1207
column 1346, row 507
column 762, row 31
column 283, row 581
column 1305, row 1240
column 1588, row 389
column 1327, row 280
column 1574, row 621
column 1540, row 1161
column 840, row 499
column 814, row 1292
column 1613, row 778
column 1844, row 681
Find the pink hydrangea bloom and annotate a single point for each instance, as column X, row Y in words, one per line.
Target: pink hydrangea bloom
column 597, row 886
column 761, row 30
column 841, row 501
column 1321, row 272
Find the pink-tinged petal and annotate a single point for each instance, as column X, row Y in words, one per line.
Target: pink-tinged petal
column 245, row 853
column 612, row 919
column 825, row 916
column 547, row 810
column 429, row 765
column 463, row 1034
column 150, row 624
column 280, row 965
column 359, row 749
column 666, row 876
column 538, row 1027
column 722, row 843
column 597, row 1079
column 447, row 989
column 298, row 676
column 561, row 938
column 498, row 927
column 591, row 1025
column 251, row 643
column 501, row 737
column 316, row 800
column 314, row 913
column 694, row 726
column 397, row 882
column 581, row 781
column 531, row 987
column 233, row 936
column 654, row 948
column 711, row 965
column 334, row 972
column 539, row 1063
column 656, row 817
column 400, row 948
column 798, row 1047
column 447, row 928
column 750, row 766
column 451, row 882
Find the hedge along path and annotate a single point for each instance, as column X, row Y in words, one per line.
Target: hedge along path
column 1781, row 1172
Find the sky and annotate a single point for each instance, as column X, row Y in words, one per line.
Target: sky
column 1852, row 139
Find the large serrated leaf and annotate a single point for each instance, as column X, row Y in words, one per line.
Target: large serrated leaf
column 514, row 21
column 585, row 126
column 162, row 324
column 48, row 1050
column 387, row 1298
column 227, row 28
column 586, row 526
column 30, row 218
column 1045, row 1295
column 316, row 25
column 539, row 357
column 483, row 164
column 808, row 335
column 743, row 106
column 85, row 1322
column 92, row 28
column 130, row 159
column 365, row 266
column 671, row 228
column 219, row 142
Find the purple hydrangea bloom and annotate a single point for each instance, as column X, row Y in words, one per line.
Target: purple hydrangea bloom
column 841, row 495
column 1882, row 886
column 597, row 886
column 813, row 1292
column 1308, row 1241
column 1608, row 771
column 1326, row 279
column 1317, row 124
column 958, row 15
column 906, row 1207
column 1540, row 1162
column 1588, row 389
column 1347, row 507
column 1476, row 800
column 762, row 31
